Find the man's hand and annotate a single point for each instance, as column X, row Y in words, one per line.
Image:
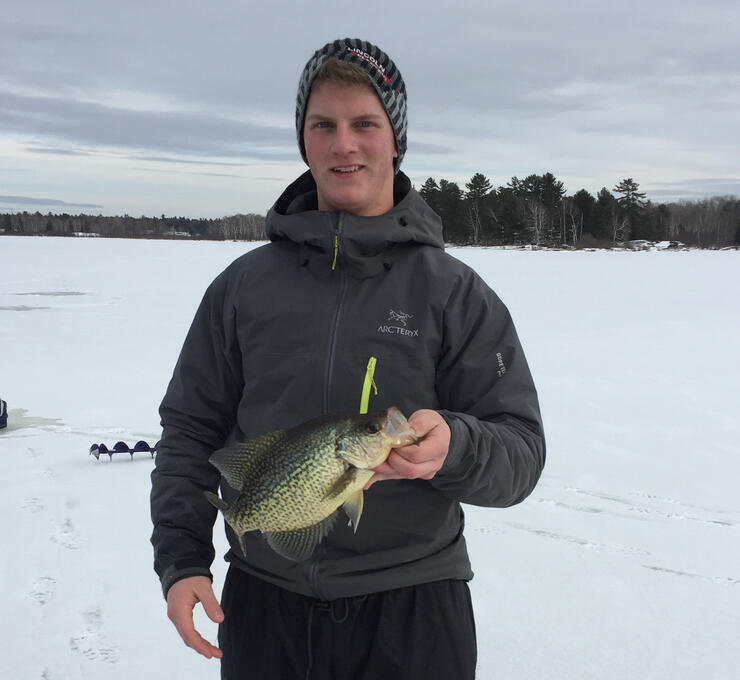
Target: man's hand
column 423, row 459
column 181, row 600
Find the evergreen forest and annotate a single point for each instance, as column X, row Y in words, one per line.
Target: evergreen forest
column 534, row 211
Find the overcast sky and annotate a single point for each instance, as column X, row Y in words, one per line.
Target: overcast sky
column 187, row 108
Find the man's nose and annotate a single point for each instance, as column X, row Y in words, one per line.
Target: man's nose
column 344, row 140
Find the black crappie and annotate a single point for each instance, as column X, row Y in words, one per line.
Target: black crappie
column 293, row 482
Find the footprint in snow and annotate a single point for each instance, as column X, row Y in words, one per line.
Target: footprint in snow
column 32, row 504
column 43, row 589
column 67, row 536
column 92, row 642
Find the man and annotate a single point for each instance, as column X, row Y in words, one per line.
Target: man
column 354, row 290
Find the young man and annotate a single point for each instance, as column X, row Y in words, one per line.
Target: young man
column 354, row 289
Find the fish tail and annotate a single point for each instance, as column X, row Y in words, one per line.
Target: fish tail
column 216, row 501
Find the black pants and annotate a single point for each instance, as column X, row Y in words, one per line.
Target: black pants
column 425, row 631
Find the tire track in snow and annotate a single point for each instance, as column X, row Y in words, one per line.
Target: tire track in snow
column 720, row 580
column 582, row 542
column 679, row 510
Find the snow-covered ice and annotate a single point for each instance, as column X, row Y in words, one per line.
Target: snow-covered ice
column 624, row 563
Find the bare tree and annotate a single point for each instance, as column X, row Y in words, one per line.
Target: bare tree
column 472, row 217
column 620, row 225
column 535, row 218
column 572, row 221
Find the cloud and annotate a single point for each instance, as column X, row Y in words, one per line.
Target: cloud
column 58, row 151
column 427, row 148
column 30, row 200
column 187, row 172
column 692, row 189
column 588, row 91
column 68, row 121
column 188, row 161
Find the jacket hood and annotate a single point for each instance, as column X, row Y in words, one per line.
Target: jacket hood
column 364, row 243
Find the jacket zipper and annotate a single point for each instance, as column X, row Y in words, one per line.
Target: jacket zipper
column 334, row 331
column 313, row 571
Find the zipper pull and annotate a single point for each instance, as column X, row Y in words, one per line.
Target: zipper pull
column 369, row 382
column 336, row 252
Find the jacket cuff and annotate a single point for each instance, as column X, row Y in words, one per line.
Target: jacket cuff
column 457, row 442
column 174, row 574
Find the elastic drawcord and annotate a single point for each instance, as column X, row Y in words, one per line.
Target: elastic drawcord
column 329, row 606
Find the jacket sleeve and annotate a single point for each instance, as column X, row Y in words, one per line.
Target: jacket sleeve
column 497, row 445
column 197, row 413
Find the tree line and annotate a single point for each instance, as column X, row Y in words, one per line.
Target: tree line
column 536, row 210
column 249, row 227
column 530, row 211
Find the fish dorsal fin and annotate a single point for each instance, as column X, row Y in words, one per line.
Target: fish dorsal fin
column 353, row 507
column 299, row 544
column 236, row 462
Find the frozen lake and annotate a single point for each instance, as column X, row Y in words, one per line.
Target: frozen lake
column 624, row 563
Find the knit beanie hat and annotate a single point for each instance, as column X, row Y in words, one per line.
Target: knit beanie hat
column 382, row 73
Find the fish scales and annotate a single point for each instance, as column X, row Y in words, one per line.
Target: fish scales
column 275, row 500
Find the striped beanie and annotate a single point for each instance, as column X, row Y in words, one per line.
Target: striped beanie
column 381, row 72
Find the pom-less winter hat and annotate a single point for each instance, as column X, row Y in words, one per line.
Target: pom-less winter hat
column 382, row 73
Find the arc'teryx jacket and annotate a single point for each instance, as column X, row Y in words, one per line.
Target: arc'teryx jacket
column 285, row 334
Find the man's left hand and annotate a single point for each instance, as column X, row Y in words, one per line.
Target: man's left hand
column 423, row 459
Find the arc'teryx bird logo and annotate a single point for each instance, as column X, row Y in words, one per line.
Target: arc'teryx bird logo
column 399, row 320
column 401, row 317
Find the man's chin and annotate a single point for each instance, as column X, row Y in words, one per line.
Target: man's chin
column 348, row 201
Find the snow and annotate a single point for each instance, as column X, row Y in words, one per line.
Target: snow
column 624, row 563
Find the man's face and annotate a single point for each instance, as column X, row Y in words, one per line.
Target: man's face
column 350, row 148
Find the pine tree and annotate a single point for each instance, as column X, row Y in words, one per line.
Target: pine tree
column 430, row 193
column 631, row 196
column 478, row 187
column 450, row 204
column 632, row 207
column 602, row 216
column 540, row 198
column 477, row 211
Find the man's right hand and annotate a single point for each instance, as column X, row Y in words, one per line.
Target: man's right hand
column 181, row 600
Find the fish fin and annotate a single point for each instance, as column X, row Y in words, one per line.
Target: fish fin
column 242, row 544
column 353, row 507
column 343, row 482
column 220, row 503
column 298, row 545
column 236, row 462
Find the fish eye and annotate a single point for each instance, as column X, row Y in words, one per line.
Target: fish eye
column 372, row 427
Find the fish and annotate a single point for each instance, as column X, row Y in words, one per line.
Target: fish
column 292, row 482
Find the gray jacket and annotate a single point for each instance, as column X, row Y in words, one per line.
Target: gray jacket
column 285, row 333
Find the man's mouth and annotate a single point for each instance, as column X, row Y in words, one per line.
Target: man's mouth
column 346, row 168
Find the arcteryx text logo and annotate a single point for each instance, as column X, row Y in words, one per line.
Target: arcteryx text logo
column 399, row 321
